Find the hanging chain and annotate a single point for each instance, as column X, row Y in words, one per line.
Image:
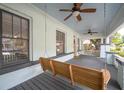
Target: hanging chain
column 105, row 33
column 105, row 29
column 45, row 30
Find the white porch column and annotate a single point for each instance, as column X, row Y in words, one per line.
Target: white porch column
column 107, row 40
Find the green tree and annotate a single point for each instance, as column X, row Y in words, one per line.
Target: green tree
column 123, row 38
column 117, row 39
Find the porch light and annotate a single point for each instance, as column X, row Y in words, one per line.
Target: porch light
column 15, row 36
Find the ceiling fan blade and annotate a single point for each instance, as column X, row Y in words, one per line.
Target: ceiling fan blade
column 65, row 10
column 78, row 17
column 85, row 33
column 68, row 17
column 88, row 10
column 94, row 32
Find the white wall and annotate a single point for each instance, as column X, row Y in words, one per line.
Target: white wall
column 37, row 30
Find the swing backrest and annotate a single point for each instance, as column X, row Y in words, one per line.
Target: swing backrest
column 61, row 68
column 88, row 77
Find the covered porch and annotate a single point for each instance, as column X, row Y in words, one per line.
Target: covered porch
column 31, row 31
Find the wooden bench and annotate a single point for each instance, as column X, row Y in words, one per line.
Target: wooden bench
column 95, row 79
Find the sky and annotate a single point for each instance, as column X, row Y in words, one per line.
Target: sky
column 121, row 31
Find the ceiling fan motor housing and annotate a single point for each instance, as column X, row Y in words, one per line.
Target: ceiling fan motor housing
column 76, row 9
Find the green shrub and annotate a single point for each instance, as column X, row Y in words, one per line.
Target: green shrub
column 118, row 48
column 115, row 50
column 121, row 53
column 121, row 45
column 112, row 50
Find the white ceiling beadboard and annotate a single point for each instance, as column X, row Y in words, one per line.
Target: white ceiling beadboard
column 93, row 21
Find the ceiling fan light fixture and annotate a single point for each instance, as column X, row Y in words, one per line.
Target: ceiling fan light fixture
column 76, row 13
column 86, row 42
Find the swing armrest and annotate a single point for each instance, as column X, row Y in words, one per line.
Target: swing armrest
column 106, row 76
column 45, row 63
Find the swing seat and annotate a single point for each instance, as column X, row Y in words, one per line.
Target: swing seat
column 95, row 79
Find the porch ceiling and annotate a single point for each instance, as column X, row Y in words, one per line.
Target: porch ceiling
column 94, row 21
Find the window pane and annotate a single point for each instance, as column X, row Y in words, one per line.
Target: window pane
column 6, row 24
column 7, row 44
column 7, row 50
column 16, row 27
column 25, row 48
column 17, row 43
column 60, row 42
column 21, row 48
column 24, row 28
column 57, row 35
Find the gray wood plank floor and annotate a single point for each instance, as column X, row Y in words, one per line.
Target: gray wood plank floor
column 46, row 81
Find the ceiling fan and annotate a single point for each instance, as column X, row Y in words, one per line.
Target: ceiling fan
column 76, row 10
column 90, row 32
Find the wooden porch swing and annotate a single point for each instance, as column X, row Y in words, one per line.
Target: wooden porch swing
column 95, row 79
column 92, row 78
